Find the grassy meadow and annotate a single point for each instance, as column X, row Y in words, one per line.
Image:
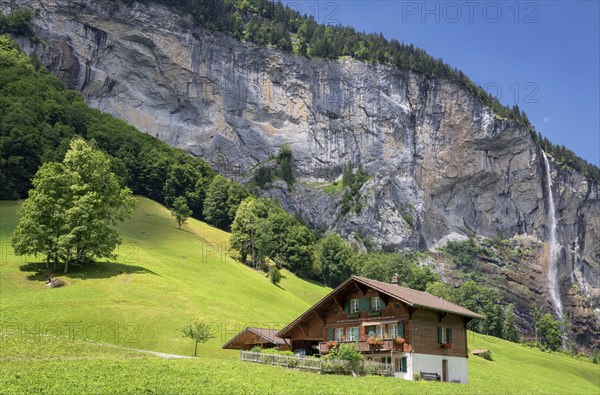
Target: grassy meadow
column 68, row 340
column 162, row 279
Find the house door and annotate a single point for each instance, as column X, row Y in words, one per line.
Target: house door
column 444, row 370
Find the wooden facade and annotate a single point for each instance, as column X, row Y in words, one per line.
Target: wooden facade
column 257, row 337
column 381, row 318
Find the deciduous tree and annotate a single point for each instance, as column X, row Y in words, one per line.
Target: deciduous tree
column 73, row 208
column 180, row 211
column 199, row 332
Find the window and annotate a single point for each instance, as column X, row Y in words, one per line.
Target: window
column 393, row 331
column 349, row 334
column 376, row 303
column 444, row 335
column 352, row 334
column 380, row 331
column 339, row 334
column 353, row 306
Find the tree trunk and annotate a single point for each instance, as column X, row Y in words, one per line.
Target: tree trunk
column 66, row 266
column 196, row 349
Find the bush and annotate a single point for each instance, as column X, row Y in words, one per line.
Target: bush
column 275, row 275
column 486, row 355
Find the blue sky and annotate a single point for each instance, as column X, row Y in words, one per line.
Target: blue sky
column 543, row 56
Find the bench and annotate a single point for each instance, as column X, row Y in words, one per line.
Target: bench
column 429, row 376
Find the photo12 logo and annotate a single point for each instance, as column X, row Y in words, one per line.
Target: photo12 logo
column 469, row 11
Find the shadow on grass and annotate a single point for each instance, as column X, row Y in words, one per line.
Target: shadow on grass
column 38, row 271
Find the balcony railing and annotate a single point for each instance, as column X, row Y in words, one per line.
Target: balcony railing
column 364, row 346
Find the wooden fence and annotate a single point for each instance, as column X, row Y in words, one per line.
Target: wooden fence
column 321, row 365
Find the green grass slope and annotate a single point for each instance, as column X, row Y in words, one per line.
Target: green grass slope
column 162, row 279
column 63, row 340
column 51, row 365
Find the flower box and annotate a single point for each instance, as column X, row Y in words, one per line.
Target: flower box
column 374, row 313
column 447, row 345
column 353, row 315
column 332, row 344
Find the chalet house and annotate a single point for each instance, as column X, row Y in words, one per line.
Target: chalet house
column 413, row 331
column 252, row 337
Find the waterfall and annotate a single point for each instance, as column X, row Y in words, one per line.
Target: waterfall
column 554, row 247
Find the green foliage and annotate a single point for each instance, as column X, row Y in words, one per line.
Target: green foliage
column 284, row 164
column 71, row 212
column 261, row 229
column 334, row 259
column 465, row 254
column 487, row 354
column 243, row 229
column 567, row 158
column 266, row 173
column 17, row 23
column 346, row 352
column 199, row 331
column 352, row 182
column 180, row 211
column 263, row 176
column 548, row 332
column 216, row 211
column 274, row 275
column 235, row 195
column 479, row 299
column 39, row 117
column 382, row 267
column 509, row 329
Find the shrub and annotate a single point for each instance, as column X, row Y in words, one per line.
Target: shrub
column 275, row 275
column 486, row 355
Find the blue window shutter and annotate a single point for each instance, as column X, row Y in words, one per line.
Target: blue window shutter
column 400, row 329
column 356, row 335
column 439, row 333
column 364, row 304
column 404, row 364
column 449, row 336
column 347, row 307
column 381, row 303
column 371, row 331
column 330, row 334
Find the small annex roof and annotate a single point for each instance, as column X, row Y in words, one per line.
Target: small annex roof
column 268, row 334
column 408, row 296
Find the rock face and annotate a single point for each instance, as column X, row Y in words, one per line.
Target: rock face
column 440, row 162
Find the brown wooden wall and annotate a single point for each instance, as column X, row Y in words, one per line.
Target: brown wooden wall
column 424, row 339
column 420, row 326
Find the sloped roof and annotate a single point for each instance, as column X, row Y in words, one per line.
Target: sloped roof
column 408, row 296
column 412, row 297
column 269, row 334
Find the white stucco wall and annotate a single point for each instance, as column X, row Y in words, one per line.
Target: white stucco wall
column 457, row 367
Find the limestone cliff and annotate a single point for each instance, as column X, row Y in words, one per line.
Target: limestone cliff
column 441, row 164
